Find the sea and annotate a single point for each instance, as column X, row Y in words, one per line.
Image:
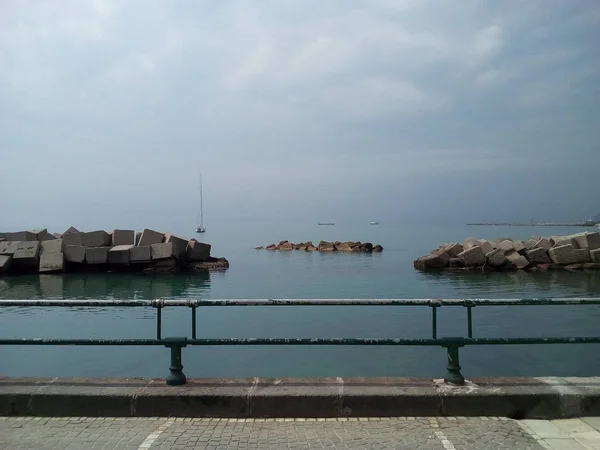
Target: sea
column 260, row 274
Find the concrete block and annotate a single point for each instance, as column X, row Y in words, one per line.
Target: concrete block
column 538, row 256
column 544, row 243
column 437, row 260
column 473, row 257
column 71, row 230
column 496, row 258
column 470, row 242
column 560, row 241
column 52, row 262
column 140, row 254
column 138, row 236
column 52, row 246
column 486, row 247
column 21, row 236
column 99, row 238
column 122, row 237
column 48, row 237
column 588, row 240
column 72, row 239
column 179, row 245
column 75, row 253
column 517, row 260
column 519, row 247
column 27, row 255
column 563, row 254
column 507, row 246
column 454, row 249
column 96, row 255
column 530, row 244
column 163, row 250
column 583, row 255
column 197, row 251
column 8, row 247
column 150, row 237
column 595, row 255
column 5, row 263
column 119, row 254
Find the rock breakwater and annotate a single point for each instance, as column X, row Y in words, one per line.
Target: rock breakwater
column 574, row 252
column 325, row 246
column 149, row 251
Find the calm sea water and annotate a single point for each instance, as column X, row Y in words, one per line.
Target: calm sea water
column 262, row 274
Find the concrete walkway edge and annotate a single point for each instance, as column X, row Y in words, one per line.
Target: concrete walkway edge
column 516, row 398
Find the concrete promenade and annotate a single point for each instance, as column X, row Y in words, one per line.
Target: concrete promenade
column 406, row 433
column 257, row 413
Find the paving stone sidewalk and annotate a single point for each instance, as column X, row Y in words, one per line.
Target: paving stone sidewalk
column 452, row 433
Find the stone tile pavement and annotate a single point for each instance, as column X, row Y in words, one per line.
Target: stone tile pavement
column 410, row 433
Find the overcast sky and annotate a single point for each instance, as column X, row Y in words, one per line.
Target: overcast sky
column 322, row 110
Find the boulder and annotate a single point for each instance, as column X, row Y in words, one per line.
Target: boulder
column 544, row 243
column 343, row 247
column 367, row 247
column 71, row 230
column 529, row 244
column 501, row 239
column 496, row 258
column 583, row 255
column 163, row 250
column 309, row 244
column 563, row 254
column 473, row 257
column 311, row 248
column 378, row 248
column 537, row 256
column 518, row 260
column 456, row 262
column 119, row 254
column 140, row 254
column 507, row 246
column 595, row 255
column 286, row 246
column 8, row 248
column 75, row 253
column 469, row 243
column 122, row 237
column 52, row 262
column 453, row 249
column 197, row 251
column 21, row 236
column 99, row 238
column 588, row 240
column 5, row 263
column 149, row 237
column 325, row 246
column 75, row 238
column 27, row 256
column 179, row 245
column 272, row 247
column 96, row 255
column 432, row 261
column 283, row 242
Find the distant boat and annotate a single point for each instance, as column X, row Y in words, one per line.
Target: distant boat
column 373, row 223
column 326, row 223
column 200, row 228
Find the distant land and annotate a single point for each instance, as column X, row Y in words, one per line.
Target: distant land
column 592, row 221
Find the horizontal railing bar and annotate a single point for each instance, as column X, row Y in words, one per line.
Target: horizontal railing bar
column 310, row 341
column 160, row 303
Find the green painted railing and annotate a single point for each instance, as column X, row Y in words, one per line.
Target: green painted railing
column 175, row 344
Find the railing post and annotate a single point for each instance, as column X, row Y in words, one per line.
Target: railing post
column 453, row 374
column 176, row 376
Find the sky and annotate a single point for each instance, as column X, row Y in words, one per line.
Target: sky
column 407, row 110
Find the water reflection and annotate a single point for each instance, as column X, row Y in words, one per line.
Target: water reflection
column 518, row 283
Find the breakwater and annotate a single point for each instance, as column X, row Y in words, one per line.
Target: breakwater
column 148, row 251
column 573, row 252
column 325, row 246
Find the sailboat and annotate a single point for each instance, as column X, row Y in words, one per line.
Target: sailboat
column 200, row 228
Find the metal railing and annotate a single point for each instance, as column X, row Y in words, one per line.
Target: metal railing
column 175, row 344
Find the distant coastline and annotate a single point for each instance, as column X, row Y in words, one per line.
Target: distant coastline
column 539, row 224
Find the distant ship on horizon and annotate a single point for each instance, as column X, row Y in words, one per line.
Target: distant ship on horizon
column 326, row 223
column 373, row 223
